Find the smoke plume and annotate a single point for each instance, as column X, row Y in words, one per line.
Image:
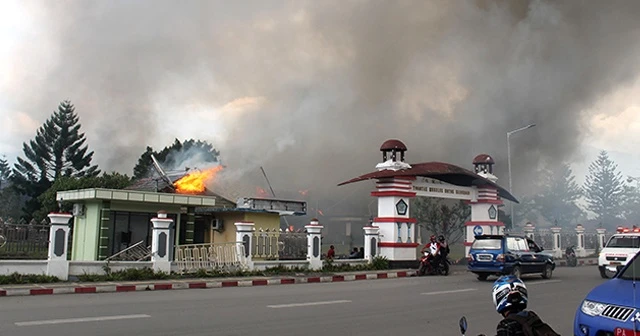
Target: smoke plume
column 310, row 89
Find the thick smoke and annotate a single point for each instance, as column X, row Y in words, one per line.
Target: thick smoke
column 310, row 90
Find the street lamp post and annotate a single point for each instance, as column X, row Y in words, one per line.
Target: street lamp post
column 509, row 163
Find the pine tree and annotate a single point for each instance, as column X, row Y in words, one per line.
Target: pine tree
column 604, row 189
column 5, row 171
column 631, row 204
column 557, row 201
column 58, row 149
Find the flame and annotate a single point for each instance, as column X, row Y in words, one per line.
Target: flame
column 304, row 192
column 261, row 192
column 197, row 181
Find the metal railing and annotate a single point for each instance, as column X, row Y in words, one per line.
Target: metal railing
column 275, row 244
column 136, row 252
column 24, row 241
column 544, row 238
column 194, row 257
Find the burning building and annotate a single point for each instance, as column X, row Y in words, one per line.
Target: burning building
column 108, row 221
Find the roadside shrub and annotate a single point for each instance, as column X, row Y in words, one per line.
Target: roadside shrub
column 17, row 278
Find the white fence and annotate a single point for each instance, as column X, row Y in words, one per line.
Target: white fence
column 193, row 257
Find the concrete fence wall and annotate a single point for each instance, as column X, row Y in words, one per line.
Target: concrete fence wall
column 190, row 258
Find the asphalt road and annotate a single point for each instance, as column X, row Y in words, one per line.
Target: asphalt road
column 417, row 306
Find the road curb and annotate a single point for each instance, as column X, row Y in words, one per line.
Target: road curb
column 581, row 262
column 115, row 288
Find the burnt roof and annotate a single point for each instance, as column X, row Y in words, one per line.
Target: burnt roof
column 441, row 171
column 156, row 184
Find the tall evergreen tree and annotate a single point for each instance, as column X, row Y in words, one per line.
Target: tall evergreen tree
column 604, row 189
column 557, row 201
column 5, row 171
column 631, row 204
column 58, row 149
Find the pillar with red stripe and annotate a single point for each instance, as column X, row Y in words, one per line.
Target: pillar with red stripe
column 484, row 205
column 397, row 229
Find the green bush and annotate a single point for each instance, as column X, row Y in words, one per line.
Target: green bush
column 129, row 274
column 379, row 263
column 16, row 278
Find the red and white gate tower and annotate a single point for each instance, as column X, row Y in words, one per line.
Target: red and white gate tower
column 397, row 182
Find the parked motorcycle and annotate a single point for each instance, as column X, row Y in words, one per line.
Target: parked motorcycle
column 572, row 260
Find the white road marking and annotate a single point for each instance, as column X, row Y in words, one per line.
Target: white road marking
column 308, row 304
column 541, row 282
column 450, row 291
column 81, row 319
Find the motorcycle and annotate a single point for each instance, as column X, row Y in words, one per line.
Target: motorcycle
column 440, row 268
column 571, row 258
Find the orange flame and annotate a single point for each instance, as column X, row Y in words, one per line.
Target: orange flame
column 261, row 192
column 196, row 182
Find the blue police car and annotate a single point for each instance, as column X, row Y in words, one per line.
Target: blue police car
column 612, row 308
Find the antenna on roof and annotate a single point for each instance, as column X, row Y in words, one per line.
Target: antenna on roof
column 163, row 176
column 272, row 192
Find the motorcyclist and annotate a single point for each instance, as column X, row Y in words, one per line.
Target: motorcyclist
column 570, row 254
column 434, row 250
column 444, row 247
column 510, row 298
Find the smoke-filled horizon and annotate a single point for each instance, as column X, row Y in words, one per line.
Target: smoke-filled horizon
column 310, row 89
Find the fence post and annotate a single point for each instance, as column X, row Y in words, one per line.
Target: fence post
column 244, row 238
column 160, row 244
column 57, row 263
column 314, row 244
column 371, row 236
column 557, row 248
column 580, row 251
column 601, row 238
column 528, row 230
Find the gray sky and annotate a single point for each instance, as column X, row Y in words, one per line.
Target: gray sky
column 310, row 89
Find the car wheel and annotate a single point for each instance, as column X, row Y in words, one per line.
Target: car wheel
column 516, row 272
column 445, row 269
column 603, row 273
column 422, row 270
column 548, row 271
column 483, row 276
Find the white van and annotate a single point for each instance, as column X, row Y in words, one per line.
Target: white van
column 620, row 248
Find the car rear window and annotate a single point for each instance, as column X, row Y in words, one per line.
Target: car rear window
column 624, row 242
column 487, row 244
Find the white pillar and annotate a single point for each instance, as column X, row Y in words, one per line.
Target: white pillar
column 528, row 230
column 601, row 242
column 371, row 237
column 314, row 244
column 557, row 248
column 244, row 241
column 57, row 263
column 580, row 251
column 160, row 243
